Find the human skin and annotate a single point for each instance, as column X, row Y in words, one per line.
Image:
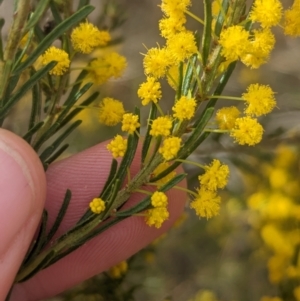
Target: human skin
column 26, row 189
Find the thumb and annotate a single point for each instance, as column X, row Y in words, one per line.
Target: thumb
column 22, row 196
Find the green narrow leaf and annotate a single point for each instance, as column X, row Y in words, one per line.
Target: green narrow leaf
column 62, row 255
column 111, row 176
column 174, row 181
column 38, row 33
column 198, row 126
column 55, row 13
column 206, row 38
column 195, row 85
column 200, row 123
column 248, row 25
column 221, row 17
column 100, row 229
column 189, row 74
column 110, row 199
column 107, row 192
column 55, row 155
column 148, row 137
column 38, row 268
column 35, row 105
column 39, row 10
column 78, row 226
column 2, row 21
column 60, row 216
column 57, row 124
column 58, row 19
column 51, row 149
column 12, row 83
column 83, row 3
column 180, row 82
column 143, row 205
column 109, row 182
column 76, row 87
column 132, row 144
column 59, row 30
column 75, row 111
column 48, row 89
column 24, row 88
column 93, row 234
column 28, row 136
column 20, row 54
column 221, row 85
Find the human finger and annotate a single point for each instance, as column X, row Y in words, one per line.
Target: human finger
column 23, row 192
column 85, row 174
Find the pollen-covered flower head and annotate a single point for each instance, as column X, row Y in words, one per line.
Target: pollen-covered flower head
column 161, row 126
column 130, row 123
column 118, row 270
column 117, row 146
column 159, row 199
column 275, row 238
column 206, row 204
column 184, row 108
column 157, row 61
column 286, row 157
column 105, row 67
column 174, row 7
column 266, row 12
column 60, row 56
column 172, row 25
column 111, row 111
column 247, row 131
column 226, row 117
column 149, row 91
column 216, row 7
column 263, row 41
column 261, row 45
column 116, row 63
column 278, row 178
column 97, row 205
column 156, row 216
column 260, row 100
column 86, row 36
column 182, row 46
column 215, row 176
column 235, row 42
column 291, row 23
column 170, row 148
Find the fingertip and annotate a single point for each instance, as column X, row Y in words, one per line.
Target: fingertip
column 32, row 169
column 23, row 191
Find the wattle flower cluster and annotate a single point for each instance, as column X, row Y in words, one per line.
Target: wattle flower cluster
column 206, row 202
column 259, row 100
column 85, row 38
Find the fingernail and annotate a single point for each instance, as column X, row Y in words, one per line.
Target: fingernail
column 17, row 197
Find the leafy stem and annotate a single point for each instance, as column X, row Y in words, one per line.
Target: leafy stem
column 14, row 36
